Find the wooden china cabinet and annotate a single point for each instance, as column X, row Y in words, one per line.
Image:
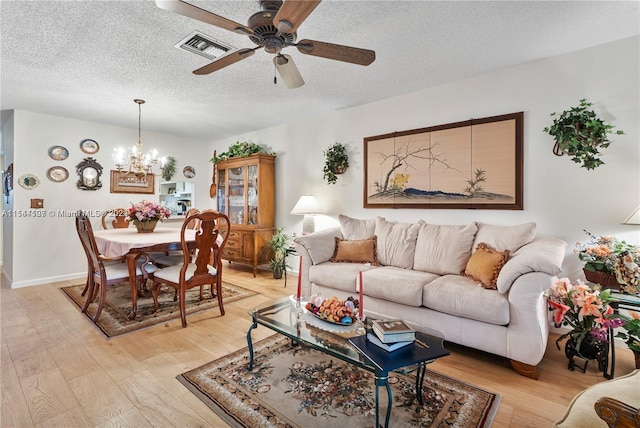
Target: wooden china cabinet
column 246, row 193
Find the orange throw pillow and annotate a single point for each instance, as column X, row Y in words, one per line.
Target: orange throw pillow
column 356, row 251
column 485, row 264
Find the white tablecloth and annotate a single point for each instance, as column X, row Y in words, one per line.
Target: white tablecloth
column 118, row 242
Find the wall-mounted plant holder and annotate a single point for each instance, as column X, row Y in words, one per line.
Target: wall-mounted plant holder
column 336, row 162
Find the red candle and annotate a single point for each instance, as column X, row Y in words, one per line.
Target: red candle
column 300, row 278
column 361, row 302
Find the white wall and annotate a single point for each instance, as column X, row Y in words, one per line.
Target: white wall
column 46, row 249
column 559, row 196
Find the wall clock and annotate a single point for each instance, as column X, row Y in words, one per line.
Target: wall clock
column 89, row 172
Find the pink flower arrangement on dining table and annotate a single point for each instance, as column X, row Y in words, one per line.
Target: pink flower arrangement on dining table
column 584, row 309
column 147, row 211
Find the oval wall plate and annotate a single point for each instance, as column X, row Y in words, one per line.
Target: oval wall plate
column 89, row 146
column 58, row 153
column 57, row 174
column 28, row 181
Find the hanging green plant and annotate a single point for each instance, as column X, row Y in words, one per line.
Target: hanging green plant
column 169, row 168
column 240, row 149
column 579, row 133
column 336, row 162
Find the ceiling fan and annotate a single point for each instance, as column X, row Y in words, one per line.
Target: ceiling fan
column 273, row 28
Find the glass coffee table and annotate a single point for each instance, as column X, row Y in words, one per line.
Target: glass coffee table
column 282, row 316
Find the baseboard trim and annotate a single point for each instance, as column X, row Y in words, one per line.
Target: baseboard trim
column 48, row 280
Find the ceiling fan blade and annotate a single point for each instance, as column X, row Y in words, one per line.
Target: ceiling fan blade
column 337, row 52
column 225, row 61
column 292, row 13
column 288, row 71
column 185, row 9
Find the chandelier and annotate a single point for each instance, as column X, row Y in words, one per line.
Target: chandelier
column 138, row 163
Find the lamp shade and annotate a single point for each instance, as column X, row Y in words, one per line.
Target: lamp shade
column 307, row 204
column 634, row 218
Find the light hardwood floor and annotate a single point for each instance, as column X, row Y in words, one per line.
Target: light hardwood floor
column 58, row 370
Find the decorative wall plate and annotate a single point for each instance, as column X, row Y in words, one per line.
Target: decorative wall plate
column 189, row 171
column 89, row 146
column 58, row 153
column 57, row 174
column 29, row 181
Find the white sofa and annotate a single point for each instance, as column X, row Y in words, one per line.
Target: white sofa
column 420, row 278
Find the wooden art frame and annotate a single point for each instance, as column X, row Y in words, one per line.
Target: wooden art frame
column 125, row 182
column 474, row 164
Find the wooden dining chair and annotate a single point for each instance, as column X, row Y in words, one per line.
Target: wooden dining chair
column 116, row 218
column 175, row 257
column 205, row 269
column 100, row 273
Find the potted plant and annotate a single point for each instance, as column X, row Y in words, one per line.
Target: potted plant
column 631, row 335
column 336, row 162
column 240, row 149
column 169, row 168
column 587, row 312
column 279, row 243
column 579, row 133
column 610, row 263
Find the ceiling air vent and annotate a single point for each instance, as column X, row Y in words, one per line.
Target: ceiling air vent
column 204, row 45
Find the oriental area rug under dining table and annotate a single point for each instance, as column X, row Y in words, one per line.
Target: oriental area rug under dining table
column 297, row 386
column 113, row 320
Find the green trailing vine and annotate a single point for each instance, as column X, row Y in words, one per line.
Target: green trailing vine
column 336, row 162
column 240, row 149
column 579, row 133
column 169, row 168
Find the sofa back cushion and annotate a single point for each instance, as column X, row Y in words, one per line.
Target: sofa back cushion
column 443, row 249
column 396, row 243
column 505, row 237
column 353, row 228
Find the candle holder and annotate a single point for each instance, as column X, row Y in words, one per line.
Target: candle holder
column 360, row 326
column 297, row 304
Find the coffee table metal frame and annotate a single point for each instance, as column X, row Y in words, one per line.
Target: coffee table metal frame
column 282, row 316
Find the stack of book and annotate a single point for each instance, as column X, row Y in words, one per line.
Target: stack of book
column 391, row 334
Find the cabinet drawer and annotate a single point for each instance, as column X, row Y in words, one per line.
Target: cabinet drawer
column 231, row 254
column 233, row 243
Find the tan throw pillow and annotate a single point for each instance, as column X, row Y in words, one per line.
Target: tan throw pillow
column 485, row 264
column 356, row 251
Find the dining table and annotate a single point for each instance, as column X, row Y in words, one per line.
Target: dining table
column 130, row 244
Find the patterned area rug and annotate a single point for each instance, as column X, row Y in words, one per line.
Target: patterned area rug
column 113, row 320
column 296, row 386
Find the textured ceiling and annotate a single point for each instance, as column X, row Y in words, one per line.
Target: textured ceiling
column 90, row 59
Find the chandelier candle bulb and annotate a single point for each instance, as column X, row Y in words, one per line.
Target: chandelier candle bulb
column 361, row 302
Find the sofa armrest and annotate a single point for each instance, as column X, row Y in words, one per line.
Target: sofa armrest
column 318, row 245
column 541, row 255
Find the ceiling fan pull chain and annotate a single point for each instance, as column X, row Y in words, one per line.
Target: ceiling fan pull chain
column 275, row 75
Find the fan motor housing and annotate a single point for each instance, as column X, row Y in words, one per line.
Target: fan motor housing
column 266, row 34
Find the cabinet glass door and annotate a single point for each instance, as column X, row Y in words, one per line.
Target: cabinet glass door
column 222, row 192
column 237, row 195
column 252, row 194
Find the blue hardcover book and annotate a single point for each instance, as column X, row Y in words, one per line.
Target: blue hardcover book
column 387, row 346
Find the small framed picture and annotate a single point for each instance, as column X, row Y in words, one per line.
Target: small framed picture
column 89, row 146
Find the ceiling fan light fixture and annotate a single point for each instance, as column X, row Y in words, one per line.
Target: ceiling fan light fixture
column 288, row 71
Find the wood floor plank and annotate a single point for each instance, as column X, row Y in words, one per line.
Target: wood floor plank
column 48, row 395
column 59, row 354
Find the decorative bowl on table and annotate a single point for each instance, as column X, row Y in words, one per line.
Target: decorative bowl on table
column 333, row 310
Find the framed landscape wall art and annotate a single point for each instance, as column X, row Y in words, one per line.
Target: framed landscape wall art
column 475, row 164
column 125, row 182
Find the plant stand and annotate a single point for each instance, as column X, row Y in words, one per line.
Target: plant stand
column 599, row 351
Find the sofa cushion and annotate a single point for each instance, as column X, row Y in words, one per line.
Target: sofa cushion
column 396, row 243
column 485, row 264
column 353, row 228
column 395, row 284
column 460, row 296
column 505, row 237
column 443, row 249
column 355, row 251
column 341, row 276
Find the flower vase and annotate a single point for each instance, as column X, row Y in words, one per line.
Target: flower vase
column 147, row 226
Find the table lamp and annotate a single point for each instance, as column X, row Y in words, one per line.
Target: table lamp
column 634, row 218
column 307, row 205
